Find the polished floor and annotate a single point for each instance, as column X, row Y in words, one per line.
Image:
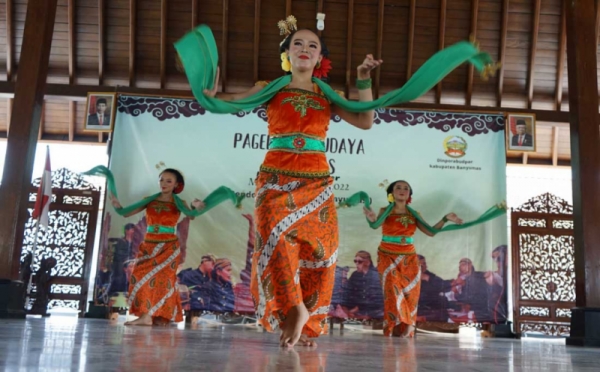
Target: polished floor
column 70, row 344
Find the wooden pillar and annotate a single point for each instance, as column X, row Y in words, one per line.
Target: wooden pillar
column 24, row 126
column 585, row 163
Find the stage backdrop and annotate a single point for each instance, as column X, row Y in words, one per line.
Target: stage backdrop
column 454, row 162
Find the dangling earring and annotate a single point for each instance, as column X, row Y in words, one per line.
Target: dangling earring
column 318, row 65
column 409, row 200
column 391, row 198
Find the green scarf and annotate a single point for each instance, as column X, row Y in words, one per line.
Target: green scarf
column 362, row 197
column 212, row 200
column 198, row 53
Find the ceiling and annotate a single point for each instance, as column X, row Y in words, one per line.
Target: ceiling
column 105, row 44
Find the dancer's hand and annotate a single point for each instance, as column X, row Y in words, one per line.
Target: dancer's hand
column 213, row 92
column 371, row 216
column 454, row 218
column 364, row 70
column 115, row 202
column 198, row 204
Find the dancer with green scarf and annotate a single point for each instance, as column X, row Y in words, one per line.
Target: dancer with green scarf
column 153, row 295
column 297, row 233
column 398, row 263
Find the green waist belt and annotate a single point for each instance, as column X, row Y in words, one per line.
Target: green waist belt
column 160, row 229
column 402, row 240
column 297, row 142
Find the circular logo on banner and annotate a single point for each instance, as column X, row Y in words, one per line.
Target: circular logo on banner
column 455, row 147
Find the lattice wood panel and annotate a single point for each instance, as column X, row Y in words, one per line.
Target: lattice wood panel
column 543, row 266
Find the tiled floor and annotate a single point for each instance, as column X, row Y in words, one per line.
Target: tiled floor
column 68, row 344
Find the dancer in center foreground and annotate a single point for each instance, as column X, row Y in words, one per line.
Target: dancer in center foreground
column 297, row 233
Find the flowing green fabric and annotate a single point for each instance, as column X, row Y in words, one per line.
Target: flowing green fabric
column 198, row 53
column 212, row 200
column 362, row 197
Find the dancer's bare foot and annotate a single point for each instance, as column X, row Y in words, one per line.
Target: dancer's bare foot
column 409, row 332
column 144, row 320
column 397, row 331
column 292, row 326
column 161, row 322
column 305, row 341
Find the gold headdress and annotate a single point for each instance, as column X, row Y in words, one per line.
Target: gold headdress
column 288, row 25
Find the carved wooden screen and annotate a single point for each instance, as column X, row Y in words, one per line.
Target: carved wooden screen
column 70, row 238
column 543, row 266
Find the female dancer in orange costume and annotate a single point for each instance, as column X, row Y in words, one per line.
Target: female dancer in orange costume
column 398, row 264
column 153, row 294
column 297, row 232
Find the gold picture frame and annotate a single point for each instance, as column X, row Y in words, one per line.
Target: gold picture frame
column 520, row 132
column 99, row 117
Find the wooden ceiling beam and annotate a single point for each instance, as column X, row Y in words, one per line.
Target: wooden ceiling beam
column 597, row 22
column 288, row 7
column 537, row 162
column 441, row 40
column 9, row 104
column 411, row 37
column 79, row 93
column 562, row 55
column 379, row 52
column 256, row 53
column 41, row 131
column 72, row 120
column 71, row 33
column 349, row 47
column 474, row 16
column 194, row 13
column 132, row 29
column 224, row 46
column 502, row 52
column 534, row 40
column 163, row 43
column 9, row 40
column 555, row 134
column 101, row 41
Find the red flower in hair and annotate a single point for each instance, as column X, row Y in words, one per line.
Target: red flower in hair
column 323, row 69
column 179, row 188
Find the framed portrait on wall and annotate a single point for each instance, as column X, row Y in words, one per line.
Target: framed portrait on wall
column 520, row 133
column 100, row 112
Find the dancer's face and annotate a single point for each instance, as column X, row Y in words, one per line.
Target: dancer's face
column 167, row 182
column 305, row 51
column 401, row 191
